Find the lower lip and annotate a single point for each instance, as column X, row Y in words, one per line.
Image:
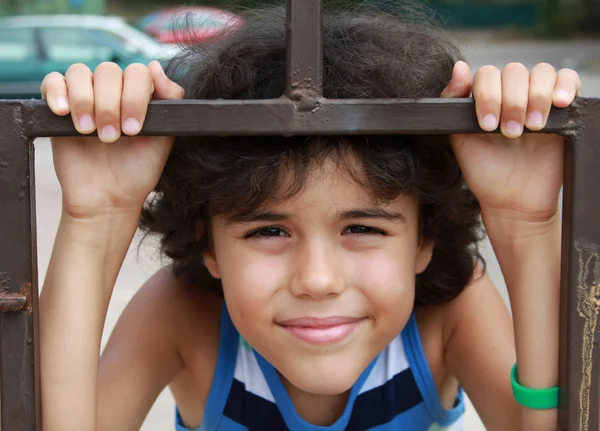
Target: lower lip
column 328, row 335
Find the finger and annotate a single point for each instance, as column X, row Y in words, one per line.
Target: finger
column 541, row 88
column 515, row 92
column 137, row 92
column 487, row 92
column 568, row 85
column 81, row 97
column 108, row 86
column 164, row 88
column 54, row 91
column 460, row 84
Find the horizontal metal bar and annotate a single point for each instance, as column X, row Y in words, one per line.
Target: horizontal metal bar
column 12, row 302
column 281, row 117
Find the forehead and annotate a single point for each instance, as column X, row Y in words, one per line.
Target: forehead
column 333, row 184
column 316, row 172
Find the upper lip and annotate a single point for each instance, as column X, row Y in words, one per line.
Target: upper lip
column 317, row 322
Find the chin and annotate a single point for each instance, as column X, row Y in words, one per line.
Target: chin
column 321, row 380
column 325, row 387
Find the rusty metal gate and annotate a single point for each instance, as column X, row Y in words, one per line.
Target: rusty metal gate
column 302, row 111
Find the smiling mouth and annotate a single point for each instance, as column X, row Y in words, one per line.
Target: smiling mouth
column 321, row 331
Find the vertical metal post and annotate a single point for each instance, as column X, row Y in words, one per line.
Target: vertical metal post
column 580, row 275
column 19, row 354
column 304, row 21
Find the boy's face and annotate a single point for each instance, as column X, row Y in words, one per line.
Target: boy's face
column 321, row 283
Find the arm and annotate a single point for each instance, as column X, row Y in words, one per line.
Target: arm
column 85, row 261
column 141, row 356
column 478, row 332
column 529, row 256
column 516, row 179
column 104, row 184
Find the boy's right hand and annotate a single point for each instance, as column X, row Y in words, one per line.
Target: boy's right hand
column 111, row 173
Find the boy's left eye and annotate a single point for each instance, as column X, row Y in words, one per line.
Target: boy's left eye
column 271, row 231
column 267, row 232
column 359, row 229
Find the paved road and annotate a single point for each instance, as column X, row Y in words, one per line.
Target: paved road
column 141, row 262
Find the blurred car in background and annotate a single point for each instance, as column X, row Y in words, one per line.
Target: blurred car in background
column 32, row 46
column 188, row 24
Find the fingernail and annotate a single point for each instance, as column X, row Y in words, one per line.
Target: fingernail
column 462, row 64
column 489, row 122
column 108, row 133
column 535, row 119
column 86, row 123
column 61, row 103
column 562, row 95
column 131, row 126
column 513, row 128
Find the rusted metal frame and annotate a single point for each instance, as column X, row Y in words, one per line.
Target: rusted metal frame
column 303, row 112
column 304, row 32
column 437, row 116
column 19, row 354
column 580, row 273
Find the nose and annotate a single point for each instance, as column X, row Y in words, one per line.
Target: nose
column 317, row 273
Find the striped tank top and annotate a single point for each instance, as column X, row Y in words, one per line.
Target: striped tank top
column 395, row 392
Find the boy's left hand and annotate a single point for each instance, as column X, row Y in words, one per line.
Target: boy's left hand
column 516, row 177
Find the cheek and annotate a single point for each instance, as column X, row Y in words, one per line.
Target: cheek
column 386, row 279
column 250, row 280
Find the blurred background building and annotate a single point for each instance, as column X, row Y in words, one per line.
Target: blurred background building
column 541, row 17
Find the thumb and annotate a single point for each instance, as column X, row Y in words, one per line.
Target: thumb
column 460, row 84
column 164, row 88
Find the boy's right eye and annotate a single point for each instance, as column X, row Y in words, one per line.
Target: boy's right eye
column 267, row 232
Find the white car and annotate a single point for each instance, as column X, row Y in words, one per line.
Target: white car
column 33, row 45
column 133, row 39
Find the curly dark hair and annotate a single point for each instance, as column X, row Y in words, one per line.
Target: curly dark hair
column 367, row 54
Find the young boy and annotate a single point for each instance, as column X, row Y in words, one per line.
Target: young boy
column 318, row 283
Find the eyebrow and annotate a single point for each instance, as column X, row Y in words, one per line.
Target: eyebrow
column 370, row 213
column 257, row 216
column 361, row 213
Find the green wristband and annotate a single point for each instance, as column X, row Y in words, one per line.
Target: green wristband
column 537, row 399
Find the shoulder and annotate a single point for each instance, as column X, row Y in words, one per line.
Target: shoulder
column 167, row 335
column 469, row 341
column 191, row 312
column 443, row 327
column 479, row 309
column 195, row 316
column 192, row 317
column 165, row 310
column 479, row 300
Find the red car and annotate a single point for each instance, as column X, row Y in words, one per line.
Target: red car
column 188, row 24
